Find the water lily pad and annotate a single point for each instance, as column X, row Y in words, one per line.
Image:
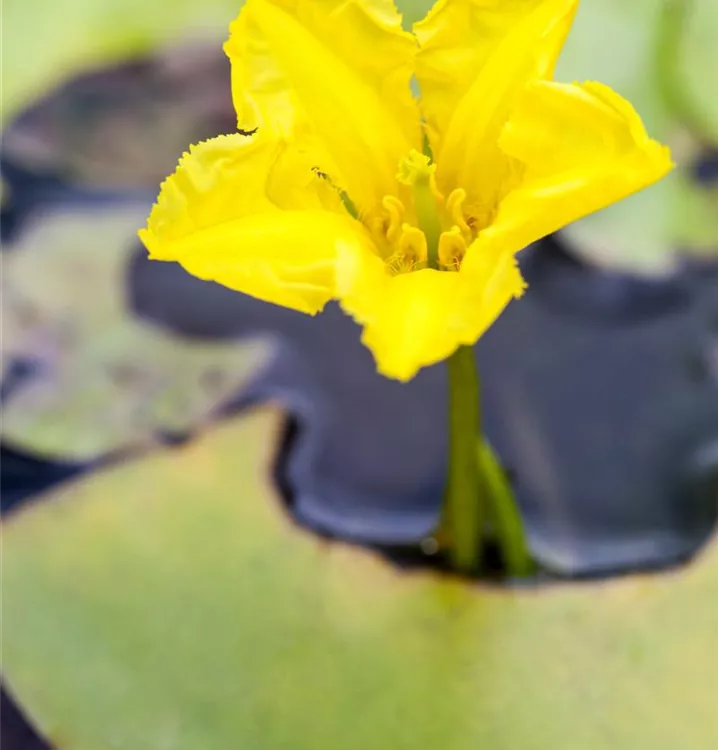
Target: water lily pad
column 170, row 604
column 102, row 380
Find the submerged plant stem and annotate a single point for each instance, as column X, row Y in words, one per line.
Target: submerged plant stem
column 465, row 503
column 504, row 514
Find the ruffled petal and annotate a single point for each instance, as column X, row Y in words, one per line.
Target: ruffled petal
column 339, row 69
column 417, row 319
column 219, row 216
column 475, row 57
column 581, row 147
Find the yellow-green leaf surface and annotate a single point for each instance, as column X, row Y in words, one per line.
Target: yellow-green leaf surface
column 170, row 605
column 105, row 381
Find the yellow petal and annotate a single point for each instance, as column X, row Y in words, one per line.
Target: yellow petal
column 582, row 148
column 339, row 69
column 216, row 218
column 475, row 56
column 416, row 319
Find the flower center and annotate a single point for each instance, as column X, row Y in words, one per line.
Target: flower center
column 433, row 233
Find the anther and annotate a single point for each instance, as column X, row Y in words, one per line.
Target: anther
column 412, row 246
column 452, row 247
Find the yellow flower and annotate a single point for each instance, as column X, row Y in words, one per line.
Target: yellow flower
column 330, row 197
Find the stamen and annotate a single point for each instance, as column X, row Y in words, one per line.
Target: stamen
column 412, row 246
column 395, row 208
column 452, row 247
column 454, row 207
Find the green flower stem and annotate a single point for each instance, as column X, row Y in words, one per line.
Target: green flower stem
column 464, row 511
column 504, row 514
column 477, row 489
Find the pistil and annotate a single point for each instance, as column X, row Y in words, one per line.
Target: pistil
column 417, row 172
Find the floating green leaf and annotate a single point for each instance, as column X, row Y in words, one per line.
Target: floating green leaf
column 170, row 605
column 105, row 380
